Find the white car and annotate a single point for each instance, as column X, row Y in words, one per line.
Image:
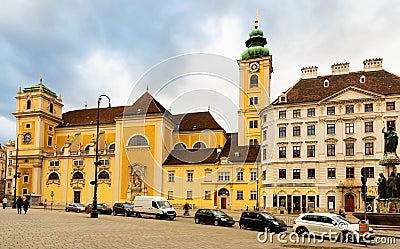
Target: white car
column 332, row 226
column 75, row 207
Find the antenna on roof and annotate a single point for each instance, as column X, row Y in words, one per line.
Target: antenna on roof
column 85, row 104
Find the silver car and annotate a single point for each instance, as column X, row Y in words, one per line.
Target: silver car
column 75, row 207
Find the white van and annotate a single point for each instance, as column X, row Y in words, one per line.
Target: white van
column 153, row 205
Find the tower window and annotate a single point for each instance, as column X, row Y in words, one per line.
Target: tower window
column 253, row 81
column 28, row 104
column 253, row 100
column 51, row 109
column 253, row 124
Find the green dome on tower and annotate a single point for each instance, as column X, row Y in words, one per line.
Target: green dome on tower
column 255, row 44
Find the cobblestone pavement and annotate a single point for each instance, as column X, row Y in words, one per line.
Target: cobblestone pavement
column 59, row 229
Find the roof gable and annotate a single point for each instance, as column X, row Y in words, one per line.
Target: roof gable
column 195, row 121
column 351, row 93
column 146, row 104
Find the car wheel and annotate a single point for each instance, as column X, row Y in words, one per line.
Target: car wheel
column 115, row 213
column 171, row 218
column 216, row 223
column 126, row 214
column 78, row 211
column 66, row 210
column 138, row 215
column 347, row 237
column 158, row 216
column 242, row 226
column 301, row 230
column 197, row 220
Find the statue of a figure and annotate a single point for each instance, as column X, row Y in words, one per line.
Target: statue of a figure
column 391, row 139
column 392, row 186
column 398, row 184
column 381, row 186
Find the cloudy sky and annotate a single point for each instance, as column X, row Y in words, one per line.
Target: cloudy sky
column 87, row 48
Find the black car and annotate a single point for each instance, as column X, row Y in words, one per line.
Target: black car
column 211, row 216
column 100, row 208
column 123, row 208
column 262, row 221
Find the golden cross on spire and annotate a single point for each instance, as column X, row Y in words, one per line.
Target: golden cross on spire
column 256, row 21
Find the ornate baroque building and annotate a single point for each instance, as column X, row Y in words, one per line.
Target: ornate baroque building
column 318, row 135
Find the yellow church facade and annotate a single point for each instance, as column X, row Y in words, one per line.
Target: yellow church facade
column 143, row 149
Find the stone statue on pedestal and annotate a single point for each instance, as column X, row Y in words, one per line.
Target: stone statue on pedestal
column 391, row 140
column 392, row 186
column 382, row 186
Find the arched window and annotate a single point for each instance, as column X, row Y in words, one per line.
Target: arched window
column 138, row 140
column 54, row 176
column 77, row 175
column 28, row 104
column 104, row 175
column 51, row 108
column 199, row 145
column 254, row 80
column 180, row 146
column 111, row 147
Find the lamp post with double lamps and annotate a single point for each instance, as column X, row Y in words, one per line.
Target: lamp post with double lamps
column 95, row 212
column 17, row 174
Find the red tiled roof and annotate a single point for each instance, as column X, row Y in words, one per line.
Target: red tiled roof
column 146, row 104
column 195, row 121
column 235, row 153
column 89, row 116
column 311, row 90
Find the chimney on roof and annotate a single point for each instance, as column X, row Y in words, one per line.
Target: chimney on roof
column 340, row 68
column 309, row 72
column 372, row 64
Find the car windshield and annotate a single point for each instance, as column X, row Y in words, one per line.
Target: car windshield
column 80, row 205
column 163, row 204
column 218, row 213
column 340, row 219
column 127, row 205
column 100, row 206
column 268, row 216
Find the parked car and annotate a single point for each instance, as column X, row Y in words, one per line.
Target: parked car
column 262, row 221
column 101, row 208
column 75, row 207
column 153, row 205
column 323, row 224
column 123, row 208
column 211, row 216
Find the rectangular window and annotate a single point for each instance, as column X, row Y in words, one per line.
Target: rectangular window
column 296, row 151
column 350, row 172
column 264, row 136
column 78, row 162
column 170, row 195
column 369, row 171
column 224, row 176
column 330, row 128
column 369, row 126
column 208, row 175
column 331, row 173
column 27, row 126
column 253, row 175
column 49, row 141
column 282, row 173
column 264, row 154
column 330, row 150
column 282, row 152
column 282, row 114
column 311, row 112
column 296, row 131
column 311, row 130
column 311, row 150
column 10, row 162
column 391, row 123
column 104, row 162
column 24, row 191
column 253, row 124
column 26, row 179
column 296, row 173
column 349, row 128
column 296, row 114
column 330, row 110
column 239, row 195
column 171, row 177
column 10, row 172
column 50, row 128
column 240, row 176
column 207, row 195
column 189, row 194
column 253, row 141
column 369, row 148
column 282, row 131
column 253, row 100
column 190, row 176
column 349, row 109
column 253, row 195
column 390, row 106
column 369, row 107
column 54, row 163
column 311, row 173
column 349, row 149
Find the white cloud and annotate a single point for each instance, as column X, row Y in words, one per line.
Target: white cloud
column 7, row 129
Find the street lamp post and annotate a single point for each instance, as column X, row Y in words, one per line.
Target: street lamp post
column 16, row 172
column 95, row 212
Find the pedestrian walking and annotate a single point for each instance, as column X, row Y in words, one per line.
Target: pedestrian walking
column 26, row 205
column 19, row 203
column 4, row 201
column 186, row 208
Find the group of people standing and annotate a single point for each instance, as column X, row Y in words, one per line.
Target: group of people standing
column 20, row 204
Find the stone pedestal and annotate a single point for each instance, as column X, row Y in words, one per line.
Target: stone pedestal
column 389, row 161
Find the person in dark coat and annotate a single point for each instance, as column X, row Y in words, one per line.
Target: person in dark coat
column 19, row 203
column 26, row 205
column 186, row 208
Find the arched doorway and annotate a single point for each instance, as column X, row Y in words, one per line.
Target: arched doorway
column 349, row 203
column 223, row 194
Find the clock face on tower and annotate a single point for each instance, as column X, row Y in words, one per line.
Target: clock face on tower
column 254, row 67
column 27, row 138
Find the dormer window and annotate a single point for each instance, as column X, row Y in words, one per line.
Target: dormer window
column 326, row 83
column 282, row 98
column 362, row 79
